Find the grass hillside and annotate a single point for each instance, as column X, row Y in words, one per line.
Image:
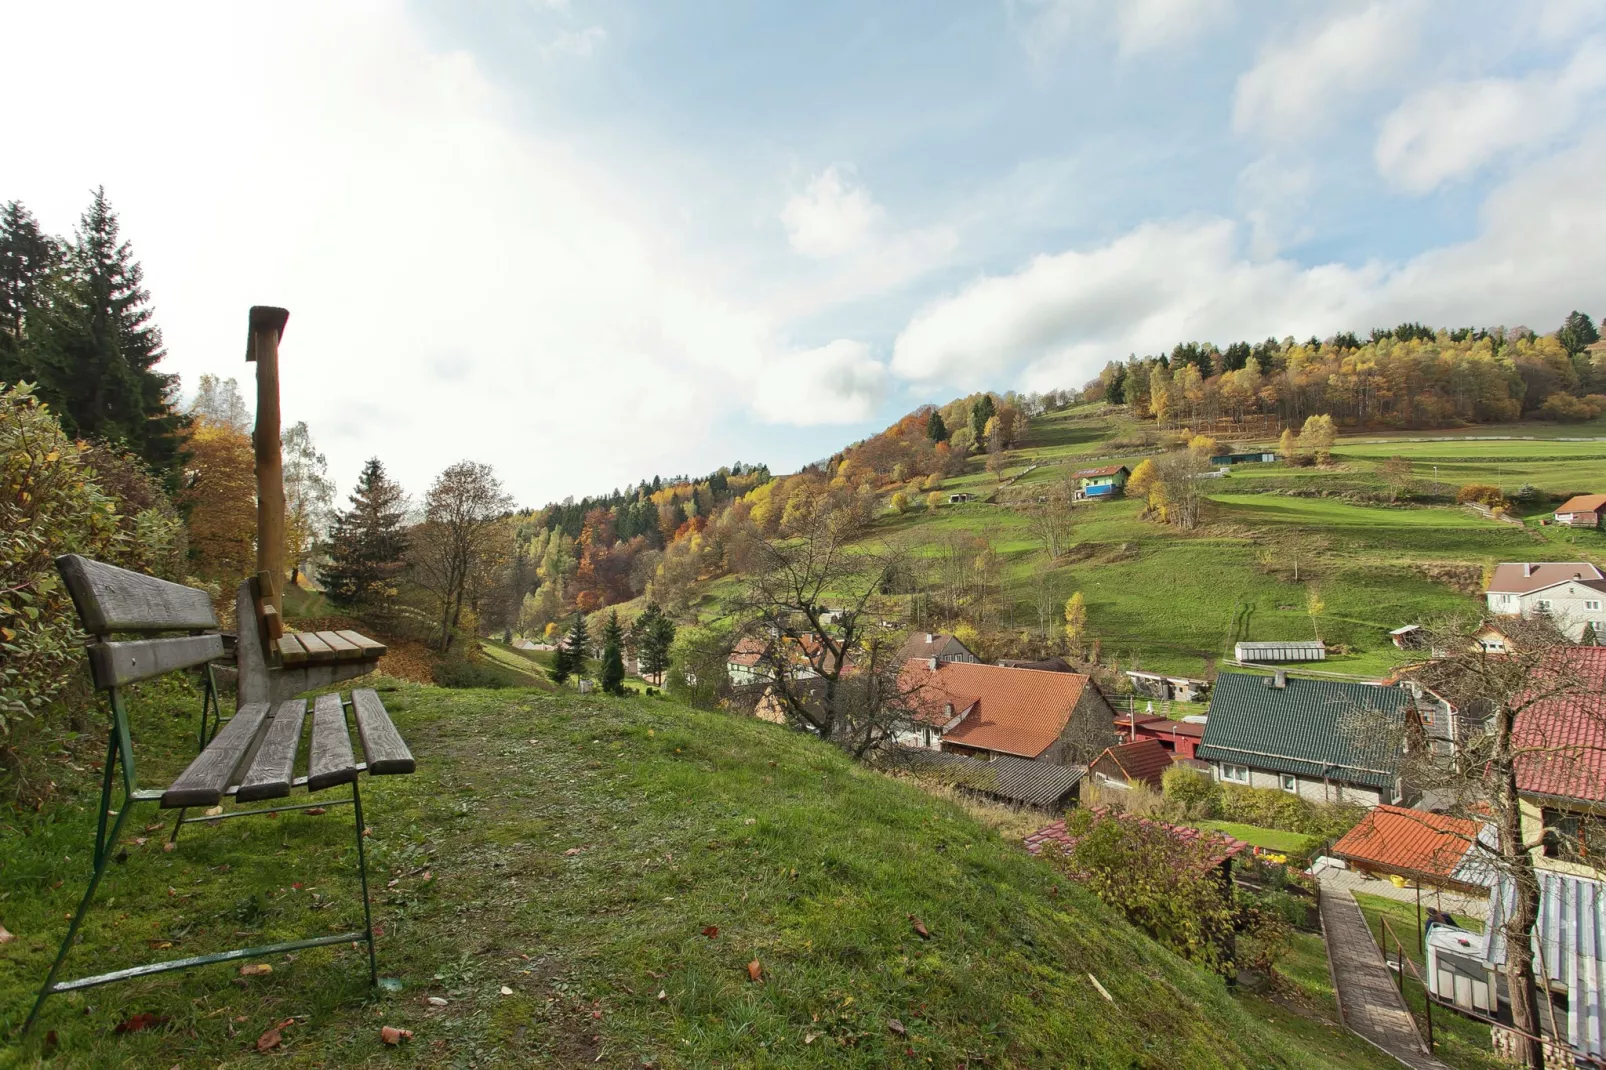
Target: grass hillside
column 1177, row 601
column 550, row 873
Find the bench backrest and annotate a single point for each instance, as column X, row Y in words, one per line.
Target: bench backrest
column 112, row 600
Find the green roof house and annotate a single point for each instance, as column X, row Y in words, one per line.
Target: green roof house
column 1322, row 740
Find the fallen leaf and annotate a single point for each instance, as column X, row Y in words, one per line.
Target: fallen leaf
column 142, row 1020
column 662, row 995
column 157, row 827
column 391, row 1035
column 257, row 969
column 506, row 991
column 897, row 1027
column 437, row 1001
column 596, row 1014
column 428, row 875
column 315, row 811
column 213, row 811
column 920, row 928
column 169, row 847
column 810, row 1038
column 139, row 841
column 161, row 945
column 755, row 971
column 269, row 1040
column 5, row 937
column 711, row 931
column 573, row 851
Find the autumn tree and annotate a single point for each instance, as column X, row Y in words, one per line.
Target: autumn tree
column 458, row 539
column 1076, row 621
column 219, row 495
column 611, row 675
column 1177, row 495
column 1317, row 437
column 1397, row 474
column 839, row 680
column 900, row 502
column 1054, row 520
column 220, row 401
column 367, row 541
column 933, row 501
column 1141, row 479
column 1288, row 445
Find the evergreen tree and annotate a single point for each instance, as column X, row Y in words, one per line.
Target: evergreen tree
column 613, row 662
column 562, row 664
column 980, row 413
column 98, row 355
column 936, row 430
column 28, row 259
column 578, row 644
column 1579, row 331
column 652, row 635
column 367, row 541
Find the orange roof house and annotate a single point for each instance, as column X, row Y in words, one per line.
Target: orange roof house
column 989, row 710
column 1581, row 510
column 1429, row 848
column 1143, row 762
column 1561, row 740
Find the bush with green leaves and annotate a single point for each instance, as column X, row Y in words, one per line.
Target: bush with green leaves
column 1195, row 794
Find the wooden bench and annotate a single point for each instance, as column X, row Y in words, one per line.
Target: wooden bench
column 275, row 664
column 250, row 757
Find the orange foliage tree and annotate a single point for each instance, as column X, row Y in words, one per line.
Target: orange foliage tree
column 220, row 496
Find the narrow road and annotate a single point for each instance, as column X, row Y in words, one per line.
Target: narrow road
column 1371, row 1006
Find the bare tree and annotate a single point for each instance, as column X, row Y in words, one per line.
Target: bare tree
column 819, row 603
column 1179, row 478
column 459, row 540
column 1527, row 720
column 1053, row 520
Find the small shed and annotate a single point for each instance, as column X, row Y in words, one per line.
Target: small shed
column 1160, row 686
column 1142, row 762
column 1023, row 782
column 1313, row 650
column 957, row 498
column 1581, row 511
column 1258, row 457
column 1409, row 637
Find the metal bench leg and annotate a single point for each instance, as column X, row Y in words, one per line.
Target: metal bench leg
column 362, row 871
column 103, row 850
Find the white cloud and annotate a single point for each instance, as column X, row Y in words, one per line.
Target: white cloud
column 579, row 43
column 1541, row 248
column 834, row 383
column 460, row 284
column 1450, row 131
column 1296, row 84
column 832, row 216
column 1136, row 26
column 1272, row 196
column 1559, row 20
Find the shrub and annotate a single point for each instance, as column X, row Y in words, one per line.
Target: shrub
column 1196, row 793
column 459, row 672
column 1481, row 493
column 1567, row 408
column 900, row 502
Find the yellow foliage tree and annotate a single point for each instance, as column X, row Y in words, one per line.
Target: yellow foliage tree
column 1204, row 445
column 1141, row 479
column 1288, row 444
column 900, row 502
column 1075, row 619
column 1317, row 437
column 221, row 499
column 934, row 500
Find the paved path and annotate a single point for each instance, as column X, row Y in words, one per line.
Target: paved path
column 1348, row 880
column 1370, row 1003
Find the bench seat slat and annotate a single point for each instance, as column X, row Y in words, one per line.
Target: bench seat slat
column 274, row 766
column 382, row 745
column 332, row 761
column 116, row 664
column 202, row 784
column 318, row 652
column 345, row 649
column 291, row 652
column 371, row 648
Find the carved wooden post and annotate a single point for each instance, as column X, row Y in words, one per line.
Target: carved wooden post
column 267, row 326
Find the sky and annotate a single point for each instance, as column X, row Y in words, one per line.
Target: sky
column 589, row 241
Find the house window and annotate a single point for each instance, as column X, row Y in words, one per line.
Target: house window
column 1592, row 604
column 928, row 737
column 1542, row 605
column 1575, row 837
column 1288, row 783
column 1238, row 774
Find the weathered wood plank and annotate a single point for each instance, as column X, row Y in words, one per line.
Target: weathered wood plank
column 272, row 623
column 332, row 761
column 274, row 766
column 116, row 664
column 317, row 650
column 203, row 783
column 345, row 649
column 112, row 599
column 371, row 648
column 382, row 745
column 291, row 652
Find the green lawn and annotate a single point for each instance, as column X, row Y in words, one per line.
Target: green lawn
column 1459, row 1041
column 584, row 881
column 1267, row 839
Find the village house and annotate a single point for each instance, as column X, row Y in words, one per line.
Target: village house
column 1256, row 457
column 751, row 661
column 1322, row 740
column 989, row 711
column 1179, row 738
column 1570, row 593
column 1100, row 483
column 1131, row 764
column 1581, row 511
column 927, row 645
column 1433, row 850
column 1018, row 782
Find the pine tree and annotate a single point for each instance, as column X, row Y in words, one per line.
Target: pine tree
column 652, row 635
column 366, row 541
column 1577, row 332
column 936, row 430
column 28, row 258
column 980, row 413
column 562, row 665
column 98, row 362
column 579, row 645
column 613, row 662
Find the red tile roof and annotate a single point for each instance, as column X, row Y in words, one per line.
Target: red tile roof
column 1562, row 739
column 1011, row 711
column 748, row 651
column 1513, row 577
column 1583, row 503
column 1142, row 762
column 1225, row 846
column 1154, row 726
column 1107, row 470
column 1408, row 841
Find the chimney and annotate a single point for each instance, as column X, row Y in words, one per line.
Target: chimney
column 1529, row 569
column 930, row 637
column 932, row 662
column 1279, row 679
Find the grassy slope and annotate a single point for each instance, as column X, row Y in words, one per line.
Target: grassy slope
column 1173, row 602
column 573, row 850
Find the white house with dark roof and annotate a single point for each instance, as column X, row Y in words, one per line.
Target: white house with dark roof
column 1572, row 594
column 939, row 645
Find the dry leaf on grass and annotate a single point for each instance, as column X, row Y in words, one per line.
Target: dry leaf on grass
column 920, row 928
column 711, row 931
column 256, row 969
column 5, row 937
column 897, row 1027
column 142, row 1020
column 393, row 1036
column 169, row 846
column 755, row 971
column 273, row 1037
column 315, row 811
column 213, row 811
column 506, row 991
column 663, row 994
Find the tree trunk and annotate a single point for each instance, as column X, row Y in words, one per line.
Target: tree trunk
column 1523, row 912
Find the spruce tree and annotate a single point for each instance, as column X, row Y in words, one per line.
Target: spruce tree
column 980, row 413
column 651, row 635
column 562, row 664
column 367, row 541
column 936, row 430
column 29, row 258
column 613, row 662
column 579, row 644
column 97, row 363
